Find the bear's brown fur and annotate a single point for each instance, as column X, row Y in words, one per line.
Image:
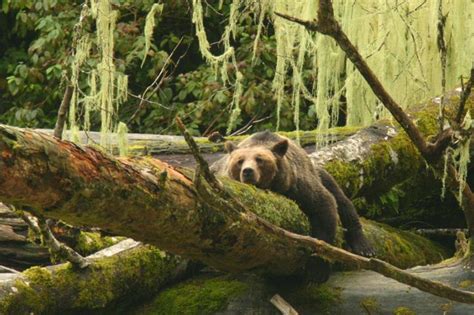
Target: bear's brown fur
column 273, row 162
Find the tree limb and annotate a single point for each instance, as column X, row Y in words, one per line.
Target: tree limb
column 62, row 112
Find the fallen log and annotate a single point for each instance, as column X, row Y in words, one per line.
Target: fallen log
column 151, row 144
column 79, row 185
column 155, row 203
column 121, row 274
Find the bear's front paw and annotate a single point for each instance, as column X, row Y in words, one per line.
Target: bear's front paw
column 358, row 244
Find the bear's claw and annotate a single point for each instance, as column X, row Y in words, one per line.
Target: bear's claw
column 358, row 244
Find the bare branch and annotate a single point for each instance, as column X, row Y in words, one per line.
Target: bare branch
column 41, row 227
column 203, row 165
column 62, row 112
column 464, row 96
column 309, row 25
column 443, row 54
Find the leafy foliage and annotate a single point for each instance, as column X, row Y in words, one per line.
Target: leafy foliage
column 35, row 64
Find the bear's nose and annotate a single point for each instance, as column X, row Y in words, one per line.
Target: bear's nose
column 247, row 172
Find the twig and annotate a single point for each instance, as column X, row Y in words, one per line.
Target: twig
column 443, row 52
column 283, row 306
column 161, row 75
column 466, row 91
column 8, row 269
column 249, row 125
column 41, row 227
column 204, row 167
column 62, row 112
column 309, row 25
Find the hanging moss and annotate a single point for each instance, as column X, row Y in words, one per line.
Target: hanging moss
column 398, row 40
column 149, row 26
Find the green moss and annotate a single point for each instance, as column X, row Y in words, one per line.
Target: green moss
column 197, row 296
column 270, row 206
column 402, row 248
column 466, row 284
column 91, row 242
column 370, row 305
column 402, row 310
column 317, row 297
column 347, row 173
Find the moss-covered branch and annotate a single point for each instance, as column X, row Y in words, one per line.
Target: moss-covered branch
column 133, row 272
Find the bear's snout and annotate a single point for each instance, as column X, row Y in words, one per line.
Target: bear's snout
column 248, row 176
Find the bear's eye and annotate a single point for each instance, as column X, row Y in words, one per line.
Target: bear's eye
column 240, row 161
column 259, row 160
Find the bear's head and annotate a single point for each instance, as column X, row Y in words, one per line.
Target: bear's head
column 256, row 165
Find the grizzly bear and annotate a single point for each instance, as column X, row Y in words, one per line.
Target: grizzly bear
column 270, row 161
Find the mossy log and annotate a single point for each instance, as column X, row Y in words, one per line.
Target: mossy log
column 149, row 201
column 381, row 156
column 119, row 275
column 150, row 144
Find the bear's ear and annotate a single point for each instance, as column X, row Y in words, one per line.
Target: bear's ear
column 280, row 148
column 229, row 146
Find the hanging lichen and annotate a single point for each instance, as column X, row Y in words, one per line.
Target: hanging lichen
column 82, row 52
column 106, row 88
column 105, row 22
column 397, row 38
column 122, row 139
column 215, row 61
column 149, row 26
column 235, row 103
column 464, row 155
